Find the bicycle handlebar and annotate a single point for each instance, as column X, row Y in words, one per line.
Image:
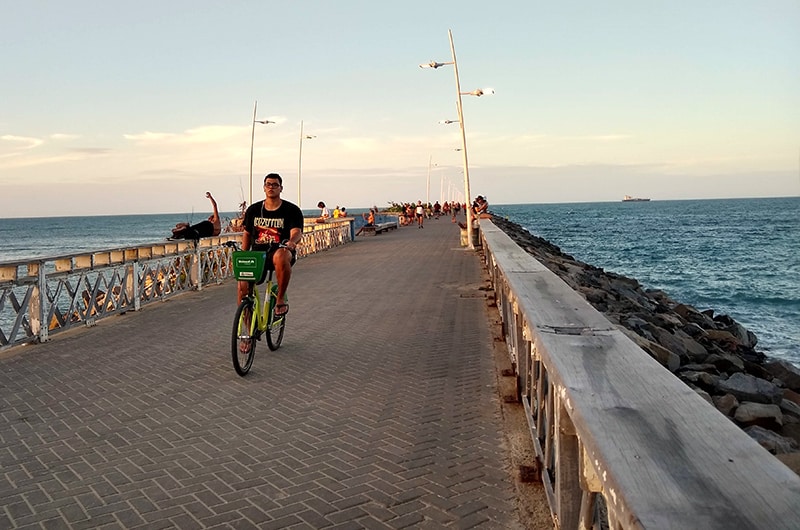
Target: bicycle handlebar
column 235, row 245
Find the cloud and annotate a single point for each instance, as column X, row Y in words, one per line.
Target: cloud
column 543, row 138
column 73, row 155
column 92, row 151
column 361, row 144
column 12, row 146
column 199, row 135
column 602, row 137
column 26, row 141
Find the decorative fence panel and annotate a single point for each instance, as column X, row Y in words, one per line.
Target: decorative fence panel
column 45, row 296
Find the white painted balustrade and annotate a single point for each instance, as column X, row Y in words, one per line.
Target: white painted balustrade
column 49, row 295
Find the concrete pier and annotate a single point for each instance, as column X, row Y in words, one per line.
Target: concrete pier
column 380, row 410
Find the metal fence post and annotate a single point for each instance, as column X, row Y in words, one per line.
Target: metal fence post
column 135, row 291
column 38, row 305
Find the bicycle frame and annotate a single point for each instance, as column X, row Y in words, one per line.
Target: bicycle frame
column 261, row 310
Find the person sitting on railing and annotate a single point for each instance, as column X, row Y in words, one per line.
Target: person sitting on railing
column 370, row 219
column 208, row 228
column 324, row 214
column 480, row 206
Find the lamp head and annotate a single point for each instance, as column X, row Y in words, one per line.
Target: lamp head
column 433, row 64
column 480, row 92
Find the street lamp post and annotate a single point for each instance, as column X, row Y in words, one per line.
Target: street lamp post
column 428, row 186
column 300, row 162
column 478, row 92
column 252, row 142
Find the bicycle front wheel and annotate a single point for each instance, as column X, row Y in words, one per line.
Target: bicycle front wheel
column 243, row 343
column 275, row 330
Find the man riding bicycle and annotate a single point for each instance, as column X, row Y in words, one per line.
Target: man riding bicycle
column 267, row 223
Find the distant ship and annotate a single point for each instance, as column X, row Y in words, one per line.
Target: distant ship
column 628, row 198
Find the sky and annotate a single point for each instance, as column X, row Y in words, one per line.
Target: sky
column 118, row 107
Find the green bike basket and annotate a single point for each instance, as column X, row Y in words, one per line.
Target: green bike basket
column 248, row 265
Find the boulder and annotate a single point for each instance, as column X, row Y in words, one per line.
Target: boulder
column 791, row 395
column 593, row 295
column 694, row 350
column 772, row 442
column 703, row 394
column 790, row 460
column 664, row 357
column 726, row 404
column 767, row 416
column 637, row 324
column 790, row 408
column 744, row 336
column 659, row 296
column 786, row 372
column 669, row 321
column 671, row 342
column 704, row 367
column 726, row 362
column 748, row 388
column 693, row 330
column 791, row 431
column 724, row 339
column 690, row 314
column 751, row 355
column 757, row 370
column 703, row 380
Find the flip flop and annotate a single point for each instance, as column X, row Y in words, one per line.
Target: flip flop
column 281, row 313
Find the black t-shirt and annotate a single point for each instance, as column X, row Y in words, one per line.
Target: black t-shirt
column 269, row 228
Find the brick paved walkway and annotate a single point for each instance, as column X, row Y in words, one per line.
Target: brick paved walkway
column 380, row 410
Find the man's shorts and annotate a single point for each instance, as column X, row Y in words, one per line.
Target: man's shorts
column 270, row 264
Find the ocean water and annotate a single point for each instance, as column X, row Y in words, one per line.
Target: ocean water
column 26, row 238
column 739, row 257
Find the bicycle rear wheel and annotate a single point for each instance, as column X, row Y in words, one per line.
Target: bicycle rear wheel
column 243, row 343
column 275, row 330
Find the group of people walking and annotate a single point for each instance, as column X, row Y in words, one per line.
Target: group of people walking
column 411, row 213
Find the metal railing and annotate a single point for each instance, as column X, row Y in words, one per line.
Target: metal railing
column 44, row 296
column 620, row 441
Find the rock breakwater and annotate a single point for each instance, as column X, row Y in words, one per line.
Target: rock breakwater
column 712, row 353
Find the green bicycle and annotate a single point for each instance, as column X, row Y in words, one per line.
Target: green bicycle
column 254, row 318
